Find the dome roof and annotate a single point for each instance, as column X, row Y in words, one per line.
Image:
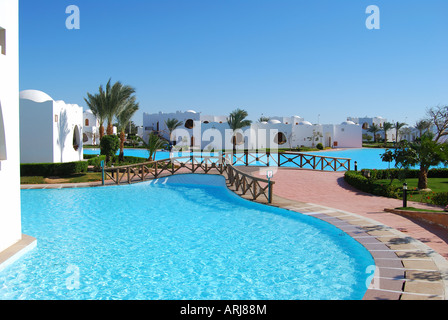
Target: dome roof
column 274, row 121
column 263, row 122
column 191, row 111
column 348, row 122
column 305, row 123
column 35, row 95
column 297, row 117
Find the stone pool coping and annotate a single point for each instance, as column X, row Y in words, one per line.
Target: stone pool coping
column 406, row 269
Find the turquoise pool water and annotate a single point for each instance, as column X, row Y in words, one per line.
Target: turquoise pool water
column 367, row 158
column 183, row 237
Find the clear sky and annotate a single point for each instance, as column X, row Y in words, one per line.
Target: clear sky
column 270, row 57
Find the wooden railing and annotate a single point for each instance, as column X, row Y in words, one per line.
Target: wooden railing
column 290, row 159
column 155, row 169
column 247, row 184
column 244, row 183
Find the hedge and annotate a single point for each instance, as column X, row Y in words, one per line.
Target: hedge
column 95, row 161
column 440, row 198
column 53, row 169
column 359, row 181
column 405, row 174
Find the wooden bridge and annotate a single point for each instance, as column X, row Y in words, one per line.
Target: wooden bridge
column 225, row 164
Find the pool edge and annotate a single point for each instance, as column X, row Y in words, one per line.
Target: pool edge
column 16, row 251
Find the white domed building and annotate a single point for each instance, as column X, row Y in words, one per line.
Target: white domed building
column 204, row 132
column 50, row 131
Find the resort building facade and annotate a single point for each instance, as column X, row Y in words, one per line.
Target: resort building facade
column 50, row 131
column 207, row 132
column 10, row 217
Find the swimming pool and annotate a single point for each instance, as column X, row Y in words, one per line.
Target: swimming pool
column 182, row 237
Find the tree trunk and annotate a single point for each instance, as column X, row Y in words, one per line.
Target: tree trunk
column 423, row 178
column 101, row 131
column 122, row 138
column 110, row 129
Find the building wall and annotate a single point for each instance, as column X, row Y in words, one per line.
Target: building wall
column 48, row 128
column 91, row 131
column 68, row 127
column 36, row 131
column 10, row 219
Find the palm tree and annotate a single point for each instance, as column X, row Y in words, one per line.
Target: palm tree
column 386, row 127
column 421, row 126
column 172, row 124
column 154, row 143
column 115, row 97
column 374, row 128
column 397, row 126
column 263, row 119
column 124, row 117
column 237, row 120
column 96, row 104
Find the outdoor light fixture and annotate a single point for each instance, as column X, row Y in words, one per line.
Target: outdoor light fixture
column 405, row 195
column 356, row 165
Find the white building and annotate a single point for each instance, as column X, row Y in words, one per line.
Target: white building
column 91, row 130
column 208, row 132
column 10, row 217
column 50, row 131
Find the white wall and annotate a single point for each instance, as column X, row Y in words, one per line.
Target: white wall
column 47, row 129
column 36, row 131
column 10, row 220
column 70, row 123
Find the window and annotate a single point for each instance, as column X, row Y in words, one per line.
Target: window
column 56, row 118
column 280, row 138
column 189, row 124
column 238, row 139
column 2, row 41
column 76, row 138
column 87, row 122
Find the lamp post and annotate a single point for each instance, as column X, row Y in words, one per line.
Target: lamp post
column 405, row 195
column 102, row 171
column 356, row 165
column 269, row 175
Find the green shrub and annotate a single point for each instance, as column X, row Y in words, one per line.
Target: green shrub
column 53, row 169
column 440, row 198
column 109, row 145
column 359, row 181
column 320, row 146
column 405, row 174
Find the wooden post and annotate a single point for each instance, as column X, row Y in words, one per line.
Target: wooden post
column 255, row 190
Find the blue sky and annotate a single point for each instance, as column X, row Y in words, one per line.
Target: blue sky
column 271, row 57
